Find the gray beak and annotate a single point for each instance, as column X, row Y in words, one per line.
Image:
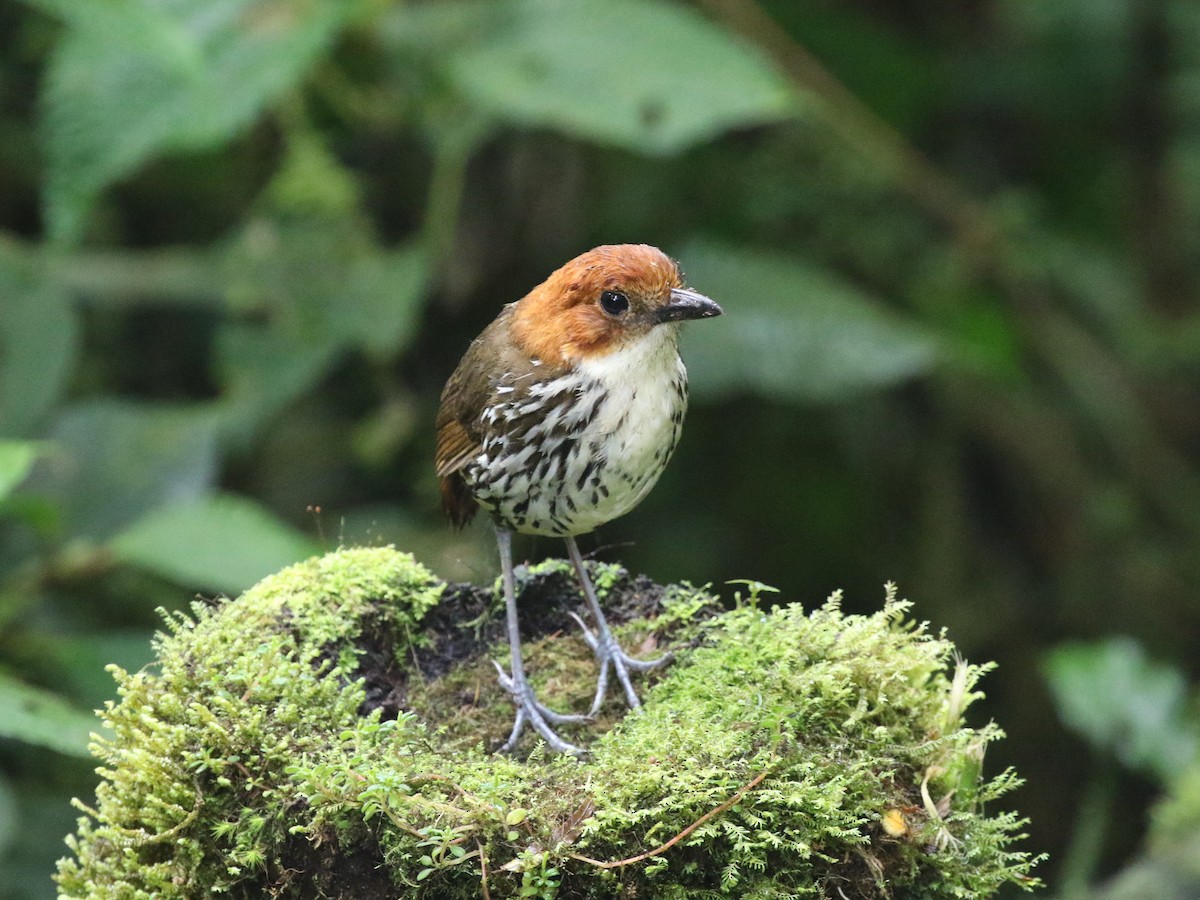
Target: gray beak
column 686, row 304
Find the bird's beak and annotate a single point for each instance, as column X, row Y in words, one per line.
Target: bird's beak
column 686, row 304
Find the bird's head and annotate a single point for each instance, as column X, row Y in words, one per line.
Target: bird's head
column 603, row 300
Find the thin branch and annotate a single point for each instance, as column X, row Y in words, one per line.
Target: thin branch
column 483, row 873
column 862, row 128
column 662, row 848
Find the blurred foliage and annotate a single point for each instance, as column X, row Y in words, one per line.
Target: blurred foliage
column 1137, row 712
column 243, row 242
column 1169, row 867
column 1126, row 705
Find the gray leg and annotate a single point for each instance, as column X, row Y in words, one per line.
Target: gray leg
column 608, row 651
column 529, row 710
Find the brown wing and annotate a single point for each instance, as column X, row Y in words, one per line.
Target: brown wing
column 491, row 361
column 458, row 440
column 459, row 434
column 455, row 446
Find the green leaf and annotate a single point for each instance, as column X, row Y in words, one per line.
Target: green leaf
column 330, row 289
column 38, row 343
column 16, row 459
column 327, row 280
column 649, row 76
column 131, row 79
column 1125, row 704
column 112, row 462
column 80, row 659
column 312, row 180
column 220, row 542
column 378, row 307
column 793, row 331
column 37, row 716
column 262, row 369
column 516, row 816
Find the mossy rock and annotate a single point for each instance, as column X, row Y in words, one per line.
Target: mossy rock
column 330, row 733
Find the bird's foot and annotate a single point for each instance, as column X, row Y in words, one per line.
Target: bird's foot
column 612, row 657
column 532, row 712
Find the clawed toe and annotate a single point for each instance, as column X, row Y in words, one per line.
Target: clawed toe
column 532, row 712
column 604, row 645
column 612, row 657
column 589, row 636
column 608, row 652
column 645, row 665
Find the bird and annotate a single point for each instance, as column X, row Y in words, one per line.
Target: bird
column 560, row 417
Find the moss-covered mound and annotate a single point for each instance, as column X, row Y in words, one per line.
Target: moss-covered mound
column 328, row 734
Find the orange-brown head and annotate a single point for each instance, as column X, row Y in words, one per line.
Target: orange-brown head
column 601, row 300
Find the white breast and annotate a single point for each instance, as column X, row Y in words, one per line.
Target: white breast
column 637, row 425
column 594, row 454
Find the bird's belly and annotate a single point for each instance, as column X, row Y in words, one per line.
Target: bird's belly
column 581, row 462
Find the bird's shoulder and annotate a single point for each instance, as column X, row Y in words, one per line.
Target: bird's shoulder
column 492, row 369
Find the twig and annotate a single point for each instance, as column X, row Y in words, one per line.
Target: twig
column 662, row 848
column 860, row 126
column 487, row 895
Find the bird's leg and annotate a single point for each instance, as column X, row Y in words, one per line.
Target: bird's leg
column 607, row 650
column 529, row 710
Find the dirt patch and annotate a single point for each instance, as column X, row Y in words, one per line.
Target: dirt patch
column 469, row 621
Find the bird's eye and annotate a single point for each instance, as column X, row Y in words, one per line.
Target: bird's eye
column 614, row 302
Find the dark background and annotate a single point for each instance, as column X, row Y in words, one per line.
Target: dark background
column 243, row 244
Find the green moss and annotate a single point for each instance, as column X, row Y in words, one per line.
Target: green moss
column 194, row 792
column 783, row 754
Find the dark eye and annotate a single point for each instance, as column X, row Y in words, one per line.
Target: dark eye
column 614, row 302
